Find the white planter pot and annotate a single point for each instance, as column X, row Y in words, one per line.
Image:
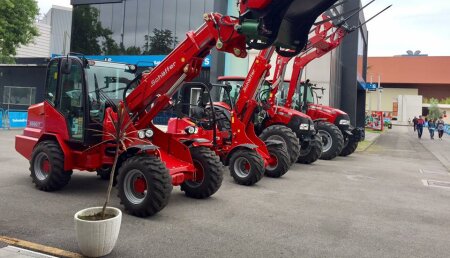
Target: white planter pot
column 97, row 238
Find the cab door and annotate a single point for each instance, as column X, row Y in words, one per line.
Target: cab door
column 71, row 102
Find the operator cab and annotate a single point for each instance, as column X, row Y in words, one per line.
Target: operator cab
column 81, row 89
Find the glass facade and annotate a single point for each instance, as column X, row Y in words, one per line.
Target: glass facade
column 135, row 27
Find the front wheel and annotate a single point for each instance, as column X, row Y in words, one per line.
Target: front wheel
column 280, row 161
column 349, row 147
column 208, row 175
column 310, row 151
column 144, row 185
column 246, row 167
column 47, row 167
column 332, row 140
column 285, row 135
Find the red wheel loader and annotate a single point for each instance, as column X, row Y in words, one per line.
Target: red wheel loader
column 338, row 136
column 74, row 127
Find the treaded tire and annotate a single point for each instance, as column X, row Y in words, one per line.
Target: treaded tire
column 158, row 185
column 284, row 133
column 256, row 170
column 283, row 161
column 349, row 148
column 311, row 152
column 336, row 137
column 56, row 178
column 212, row 174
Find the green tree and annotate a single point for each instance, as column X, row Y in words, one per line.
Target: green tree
column 16, row 26
column 434, row 112
column 88, row 36
column 162, row 42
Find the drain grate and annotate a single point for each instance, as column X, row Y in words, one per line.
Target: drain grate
column 435, row 183
column 427, row 171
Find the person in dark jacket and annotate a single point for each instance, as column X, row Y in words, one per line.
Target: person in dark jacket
column 419, row 126
column 440, row 127
column 415, row 123
column 431, row 127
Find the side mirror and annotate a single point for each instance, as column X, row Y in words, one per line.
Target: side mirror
column 66, row 65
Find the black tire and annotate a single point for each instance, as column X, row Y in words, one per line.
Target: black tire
column 158, row 183
column 287, row 136
column 53, row 177
column 104, row 173
column 332, row 140
column 211, row 174
column 310, row 151
column 349, row 147
column 256, row 167
column 283, row 161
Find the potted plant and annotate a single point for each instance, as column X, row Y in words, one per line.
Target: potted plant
column 97, row 228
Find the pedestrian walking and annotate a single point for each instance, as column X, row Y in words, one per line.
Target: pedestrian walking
column 419, row 126
column 431, row 128
column 440, row 127
column 415, row 123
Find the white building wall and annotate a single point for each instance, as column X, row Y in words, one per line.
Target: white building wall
column 60, row 20
column 40, row 47
column 408, row 107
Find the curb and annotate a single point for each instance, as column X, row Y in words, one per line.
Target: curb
column 38, row 247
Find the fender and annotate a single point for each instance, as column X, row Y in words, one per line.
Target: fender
column 141, row 147
column 196, row 142
column 273, row 143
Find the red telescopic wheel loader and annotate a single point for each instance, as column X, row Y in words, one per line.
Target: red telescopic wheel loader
column 247, row 156
column 338, row 136
column 86, row 101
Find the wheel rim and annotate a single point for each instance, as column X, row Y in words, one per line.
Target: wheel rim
column 42, row 166
column 199, row 175
column 273, row 163
column 242, row 167
column 278, row 138
column 327, row 140
column 135, row 186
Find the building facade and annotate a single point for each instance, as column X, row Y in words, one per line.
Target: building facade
column 425, row 76
column 143, row 31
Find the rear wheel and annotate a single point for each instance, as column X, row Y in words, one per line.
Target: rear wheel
column 47, row 167
column 286, row 136
column 350, row 146
column 246, row 167
column 332, row 140
column 310, row 151
column 144, row 185
column 208, row 176
column 281, row 162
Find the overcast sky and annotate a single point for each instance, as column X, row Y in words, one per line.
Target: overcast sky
column 407, row 25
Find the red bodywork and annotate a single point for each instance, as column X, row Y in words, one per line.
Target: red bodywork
column 323, row 41
column 156, row 87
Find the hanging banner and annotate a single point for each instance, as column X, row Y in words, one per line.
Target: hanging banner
column 17, row 119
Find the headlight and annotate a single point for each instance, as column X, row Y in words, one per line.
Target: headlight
column 344, row 122
column 304, row 126
column 312, row 127
column 191, row 130
column 149, row 133
column 141, row 134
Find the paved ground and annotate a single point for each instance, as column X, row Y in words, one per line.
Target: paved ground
column 371, row 204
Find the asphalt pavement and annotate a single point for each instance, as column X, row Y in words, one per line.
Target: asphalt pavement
column 375, row 203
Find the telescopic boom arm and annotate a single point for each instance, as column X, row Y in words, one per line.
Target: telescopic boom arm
column 183, row 64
